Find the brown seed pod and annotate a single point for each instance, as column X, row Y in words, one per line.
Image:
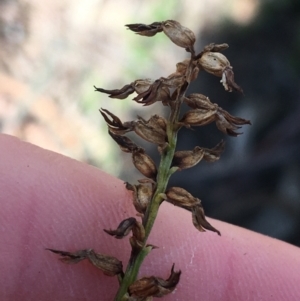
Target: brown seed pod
column 198, row 117
column 142, row 194
column 199, row 220
column 144, row 164
column 154, row 286
column 157, row 122
column 199, row 101
column 181, row 198
column 187, row 159
column 214, row 63
column 178, row 34
column 154, row 134
column 142, row 85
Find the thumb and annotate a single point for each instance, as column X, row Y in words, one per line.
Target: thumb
column 50, row 201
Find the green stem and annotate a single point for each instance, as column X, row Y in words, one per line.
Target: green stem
column 136, row 259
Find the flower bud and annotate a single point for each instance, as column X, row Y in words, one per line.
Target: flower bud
column 178, row 34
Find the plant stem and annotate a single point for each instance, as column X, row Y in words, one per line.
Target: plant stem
column 136, row 259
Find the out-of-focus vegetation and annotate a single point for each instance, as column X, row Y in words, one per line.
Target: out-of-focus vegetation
column 53, row 52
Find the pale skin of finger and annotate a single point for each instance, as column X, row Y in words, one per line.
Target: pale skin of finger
column 50, row 201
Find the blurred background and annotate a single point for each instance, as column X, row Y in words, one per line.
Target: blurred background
column 53, row 52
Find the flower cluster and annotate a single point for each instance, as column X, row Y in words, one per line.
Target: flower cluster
column 153, row 189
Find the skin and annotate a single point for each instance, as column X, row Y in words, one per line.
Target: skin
column 51, row 201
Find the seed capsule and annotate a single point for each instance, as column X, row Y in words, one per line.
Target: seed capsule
column 187, row 159
column 199, row 101
column 198, row 117
column 182, row 198
column 214, row 62
column 142, row 195
column 142, row 85
column 178, row 34
column 154, row 134
column 154, row 286
column 143, row 163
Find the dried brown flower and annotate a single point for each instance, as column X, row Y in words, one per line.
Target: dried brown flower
column 228, row 80
column 213, row 154
column 157, row 91
column 114, row 124
column 200, row 221
column 154, row 286
column 117, row 93
column 187, row 159
column 199, row 101
column 207, row 112
column 228, row 124
column 123, row 229
column 153, row 133
column 125, row 144
column 146, row 30
column 109, row 265
column 212, row 47
column 139, row 86
column 198, row 117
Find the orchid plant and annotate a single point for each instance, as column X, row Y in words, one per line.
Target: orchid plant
column 151, row 190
